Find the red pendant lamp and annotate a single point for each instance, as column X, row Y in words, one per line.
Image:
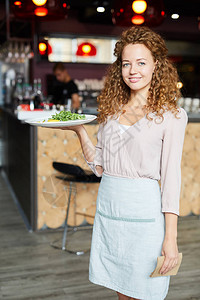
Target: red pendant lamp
column 138, row 12
column 43, row 9
column 86, row 49
column 39, row 2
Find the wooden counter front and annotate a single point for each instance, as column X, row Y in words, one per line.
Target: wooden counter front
column 190, row 187
column 64, row 146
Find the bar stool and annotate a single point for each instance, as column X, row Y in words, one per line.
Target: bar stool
column 73, row 174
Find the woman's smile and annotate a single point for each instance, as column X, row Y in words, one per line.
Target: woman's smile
column 134, row 79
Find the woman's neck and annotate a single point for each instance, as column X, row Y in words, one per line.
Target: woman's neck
column 138, row 98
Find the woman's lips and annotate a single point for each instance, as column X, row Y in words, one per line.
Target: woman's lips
column 134, row 79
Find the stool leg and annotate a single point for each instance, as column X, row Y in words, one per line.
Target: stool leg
column 66, row 218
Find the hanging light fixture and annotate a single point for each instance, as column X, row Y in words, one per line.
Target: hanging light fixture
column 17, row 3
column 39, row 2
column 139, row 6
column 129, row 12
column 86, row 49
column 41, row 11
column 47, row 10
column 137, row 20
column 42, row 48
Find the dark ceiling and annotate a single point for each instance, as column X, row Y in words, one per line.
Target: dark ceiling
column 85, row 10
column 183, row 7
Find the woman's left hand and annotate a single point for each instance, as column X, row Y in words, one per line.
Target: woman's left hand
column 170, row 251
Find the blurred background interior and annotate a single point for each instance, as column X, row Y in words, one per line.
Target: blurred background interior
column 40, row 206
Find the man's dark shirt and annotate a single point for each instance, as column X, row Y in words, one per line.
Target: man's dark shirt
column 63, row 91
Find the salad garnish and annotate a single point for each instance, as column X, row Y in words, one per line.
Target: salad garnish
column 66, row 116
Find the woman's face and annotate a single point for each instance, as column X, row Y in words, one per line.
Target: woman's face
column 137, row 66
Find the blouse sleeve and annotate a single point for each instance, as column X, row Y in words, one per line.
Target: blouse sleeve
column 98, row 153
column 171, row 162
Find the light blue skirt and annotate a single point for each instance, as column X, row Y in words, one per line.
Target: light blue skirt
column 127, row 237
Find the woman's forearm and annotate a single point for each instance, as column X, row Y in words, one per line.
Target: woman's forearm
column 171, row 221
column 87, row 146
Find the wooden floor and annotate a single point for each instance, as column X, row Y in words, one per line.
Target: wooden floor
column 31, row 269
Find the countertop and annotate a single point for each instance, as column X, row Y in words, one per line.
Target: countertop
column 192, row 117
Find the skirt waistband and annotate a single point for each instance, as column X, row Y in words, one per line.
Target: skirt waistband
column 128, row 178
column 120, row 197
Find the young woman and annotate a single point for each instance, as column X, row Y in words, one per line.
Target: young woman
column 139, row 142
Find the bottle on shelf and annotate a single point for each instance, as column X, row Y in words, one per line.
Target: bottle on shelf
column 68, row 104
column 18, row 93
column 37, row 93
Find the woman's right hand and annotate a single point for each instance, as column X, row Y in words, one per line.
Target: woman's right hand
column 75, row 128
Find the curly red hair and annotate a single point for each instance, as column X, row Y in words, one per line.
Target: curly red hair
column 163, row 92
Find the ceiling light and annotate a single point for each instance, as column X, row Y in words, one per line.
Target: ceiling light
column 17, row 3
column 39, row 2
column 86, row 49
column 175, row 16
column 41, row 11
column 42, row 47
column 100, row 9
column 139, row 6
column 137, row 20
column 48, row 10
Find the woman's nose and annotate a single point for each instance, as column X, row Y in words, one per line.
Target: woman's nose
column 133, row 69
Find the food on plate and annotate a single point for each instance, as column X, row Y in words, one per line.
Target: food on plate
column 52, row 120
column 66, row 116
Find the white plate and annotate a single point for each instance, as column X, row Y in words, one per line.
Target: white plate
column 39, row 122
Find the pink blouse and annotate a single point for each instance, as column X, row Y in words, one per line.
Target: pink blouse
column 151, row 149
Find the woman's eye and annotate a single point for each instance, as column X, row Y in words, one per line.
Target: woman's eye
column 125, row 65
column 141, row 63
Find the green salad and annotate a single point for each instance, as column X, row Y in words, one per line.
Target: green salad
column 66, row 116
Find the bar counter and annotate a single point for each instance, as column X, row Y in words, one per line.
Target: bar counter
column 42, row 198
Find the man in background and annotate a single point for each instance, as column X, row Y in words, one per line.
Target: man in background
column 67, row 89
